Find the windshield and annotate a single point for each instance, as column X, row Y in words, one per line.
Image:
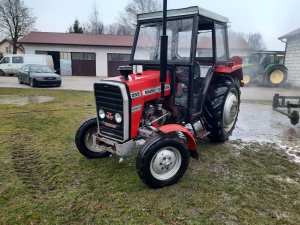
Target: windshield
column 40, row 69
column 179, row 40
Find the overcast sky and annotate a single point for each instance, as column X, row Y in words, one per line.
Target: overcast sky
column 272, row 18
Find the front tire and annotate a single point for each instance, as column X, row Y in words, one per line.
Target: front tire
column 2, row 73
column 20, row 80
column 31, row 82
column 84, row 140
column 162, row 161
column 221, row 108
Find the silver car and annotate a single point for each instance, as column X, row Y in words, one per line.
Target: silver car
column 38, row 75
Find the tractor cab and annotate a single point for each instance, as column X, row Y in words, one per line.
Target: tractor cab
column 197, row 43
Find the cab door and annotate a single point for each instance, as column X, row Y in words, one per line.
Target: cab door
column 5, row 65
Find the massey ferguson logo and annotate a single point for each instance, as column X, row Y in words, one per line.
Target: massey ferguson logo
column 109, row 116
column 155, row 90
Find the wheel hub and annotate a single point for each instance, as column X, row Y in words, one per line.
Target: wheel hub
column 276, row 76
column 90, row 142
column 165, row 163
column 246, row 79
column 230, row 111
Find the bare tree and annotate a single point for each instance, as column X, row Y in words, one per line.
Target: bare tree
column 16, row 20
column 94, row 25
column 118, row 28
column 127, row 21
column 255, row 41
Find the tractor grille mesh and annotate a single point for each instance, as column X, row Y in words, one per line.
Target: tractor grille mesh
column 109, row 98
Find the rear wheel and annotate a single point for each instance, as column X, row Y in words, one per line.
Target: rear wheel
column 2, row 73
column 221, row 108
column 162, row 161
column 246, row 79
column 84, row 140
column 276, row 76
column 294, row 117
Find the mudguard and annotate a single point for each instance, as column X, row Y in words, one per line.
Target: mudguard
column 191, row 142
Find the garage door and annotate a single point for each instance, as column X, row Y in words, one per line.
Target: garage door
column 114, row 60
column 83, row 64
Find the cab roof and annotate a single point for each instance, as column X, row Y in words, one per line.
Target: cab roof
column 194, row 10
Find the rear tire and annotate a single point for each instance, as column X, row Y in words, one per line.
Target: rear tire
column 162, row 161
column 294, row 117
column 221, row 108
column 247, row 80
column 84, row 140
column 276, row 76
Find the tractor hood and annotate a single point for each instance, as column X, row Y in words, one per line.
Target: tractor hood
column 145, row 86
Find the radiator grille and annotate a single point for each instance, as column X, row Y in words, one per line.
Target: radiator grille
column 110, row 99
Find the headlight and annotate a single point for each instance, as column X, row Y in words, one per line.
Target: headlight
column 118, row 117
column 101, row 113
column 58, row 78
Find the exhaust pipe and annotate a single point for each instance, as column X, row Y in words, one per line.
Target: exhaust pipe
column 163, row 51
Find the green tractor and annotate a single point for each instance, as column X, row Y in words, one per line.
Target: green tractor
column 265, row 68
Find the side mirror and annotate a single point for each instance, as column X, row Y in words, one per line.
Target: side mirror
column 26, row 71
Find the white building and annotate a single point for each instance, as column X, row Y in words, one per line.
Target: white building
column 81, row 54
column 292, row 56
column 95, row 55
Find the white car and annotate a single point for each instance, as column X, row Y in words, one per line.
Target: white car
column 10, row 64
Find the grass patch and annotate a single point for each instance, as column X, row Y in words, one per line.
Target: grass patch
column 44, row 180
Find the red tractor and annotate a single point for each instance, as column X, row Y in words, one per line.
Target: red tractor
column 180, row 86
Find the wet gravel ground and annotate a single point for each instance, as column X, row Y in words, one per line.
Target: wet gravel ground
column 260, row 123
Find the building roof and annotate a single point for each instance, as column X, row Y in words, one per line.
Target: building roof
column 107, row 40
column 77, row 39
column 19, row 45
column 293, row 33
column 6, row 40
column 238, row 43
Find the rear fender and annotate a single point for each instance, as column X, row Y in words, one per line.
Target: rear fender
column 234, row 68
column 235, row 71
column 191, row 142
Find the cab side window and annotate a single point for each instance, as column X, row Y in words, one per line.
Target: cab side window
column 5, row 60
column 17, row 59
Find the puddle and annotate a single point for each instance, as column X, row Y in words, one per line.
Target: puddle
column 259, row 123
column 23, row 100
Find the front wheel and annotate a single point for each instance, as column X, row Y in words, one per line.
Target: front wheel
column 221, row 108
column 84, row 140
column 20, row 80
column 31, row 82
column 2, row 73
column 162, row 161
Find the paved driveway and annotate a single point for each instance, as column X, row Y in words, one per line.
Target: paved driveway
column 68, row 83
column 86, row 84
